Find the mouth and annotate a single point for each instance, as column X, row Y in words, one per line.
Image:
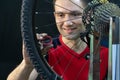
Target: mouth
column 69, row 30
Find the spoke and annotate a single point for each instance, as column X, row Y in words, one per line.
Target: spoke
column 67, row 66
column 76, row 4
column 77, row 77
column 62, row 55
column 56, row 5
column 54, row 23
column 39, row 13
column 61, row 58
column 52, row 13
column 47, row 25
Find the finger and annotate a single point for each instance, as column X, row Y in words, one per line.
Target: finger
column 41, row 36
column 24, row 51
column 41, row 45
column 46, row 49
column 25, row 55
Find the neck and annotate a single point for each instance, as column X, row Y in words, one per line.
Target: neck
column 77, row 45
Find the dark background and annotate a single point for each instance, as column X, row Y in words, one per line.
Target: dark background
column 10, row 39
column 10, row 34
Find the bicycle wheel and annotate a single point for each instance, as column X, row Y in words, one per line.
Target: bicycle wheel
column 29, row 20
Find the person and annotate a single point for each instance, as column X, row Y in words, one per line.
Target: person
column 73, row 65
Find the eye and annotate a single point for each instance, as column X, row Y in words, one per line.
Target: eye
column 76, row 14
column 60, row 14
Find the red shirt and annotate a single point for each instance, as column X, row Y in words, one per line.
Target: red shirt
column 73, row 66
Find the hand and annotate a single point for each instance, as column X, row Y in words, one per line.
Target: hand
column 45, row 42
column 26, row 57
column 43, row 46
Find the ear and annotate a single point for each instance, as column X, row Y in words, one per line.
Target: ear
column 54, row 14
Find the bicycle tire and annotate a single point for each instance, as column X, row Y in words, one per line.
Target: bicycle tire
column 30, row 41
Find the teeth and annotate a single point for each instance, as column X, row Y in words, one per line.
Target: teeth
column 69, row 29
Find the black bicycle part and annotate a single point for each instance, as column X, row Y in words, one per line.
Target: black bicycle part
column 30, row 41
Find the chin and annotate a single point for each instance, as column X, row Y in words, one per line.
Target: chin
column 72, row 37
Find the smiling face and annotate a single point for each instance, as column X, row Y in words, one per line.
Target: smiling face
column 69, row 18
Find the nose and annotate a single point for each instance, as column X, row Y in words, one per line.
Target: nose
column 68, row 21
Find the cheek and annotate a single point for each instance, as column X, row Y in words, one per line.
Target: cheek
column 59, row 26
column 79, row 23
column 59, row 23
